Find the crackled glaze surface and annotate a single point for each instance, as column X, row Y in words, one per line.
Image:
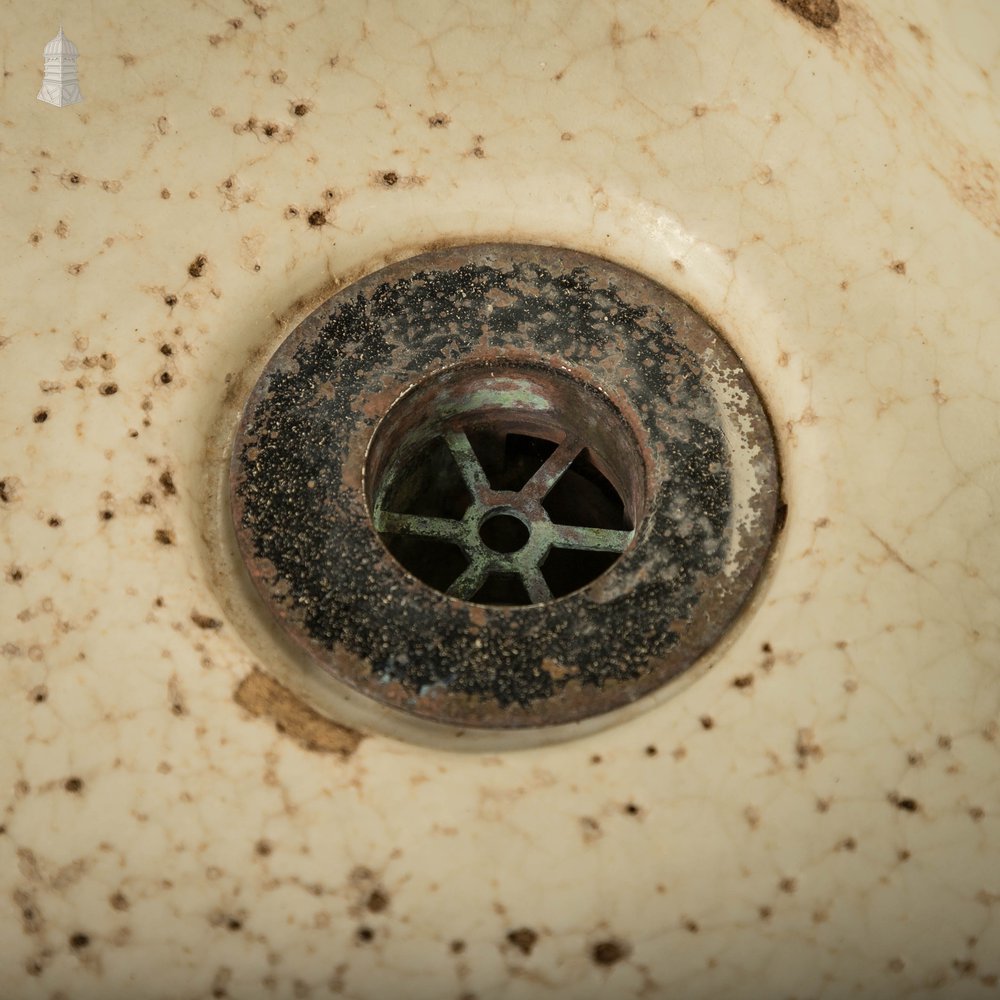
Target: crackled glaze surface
column 817, row 814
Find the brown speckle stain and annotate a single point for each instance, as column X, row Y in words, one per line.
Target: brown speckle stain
column 279, row 76
column 204, row 621
column 167, row 483
column 79, row 941
column 609, row 952
column 197, row 267
column 40, row 416
column 178, row 705
column 377, row 901
column 119, row 902
column 300, row 109
column 904, row 803
column 163, row 536
column 819, row 13
column 31, row 918
column 707, row 722
column 787, row 885
column 743, row 681
column 899, row 266
column 390, row 178
column 439, row 120
column 263, row 697
column 170, row 300
column 317, row 218
column 524, row 939
column 73, row 785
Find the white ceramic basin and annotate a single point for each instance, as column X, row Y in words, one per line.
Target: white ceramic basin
column 815, row 815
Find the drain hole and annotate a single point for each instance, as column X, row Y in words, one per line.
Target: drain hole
column 473, row 477
column 584, row 497
column 566, row 570
column 504, row 533
column 509, row 460
column 502, row 588
column 435, row 562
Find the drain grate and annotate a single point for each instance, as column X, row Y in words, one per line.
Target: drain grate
column 504, row 486
column 471, row 503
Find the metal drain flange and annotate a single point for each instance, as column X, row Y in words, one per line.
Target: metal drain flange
column 504, row 486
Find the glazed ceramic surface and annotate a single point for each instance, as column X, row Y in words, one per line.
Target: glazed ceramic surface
column 187, row 811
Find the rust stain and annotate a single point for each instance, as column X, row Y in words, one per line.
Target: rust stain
column 262, row 696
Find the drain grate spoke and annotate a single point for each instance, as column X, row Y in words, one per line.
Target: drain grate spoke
column 535, row 585
column 468, row 464
column 468, row 584
column 553, row 468
column 444, row 528
column 569, row 536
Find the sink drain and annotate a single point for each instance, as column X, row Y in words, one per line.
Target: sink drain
column 504, row 486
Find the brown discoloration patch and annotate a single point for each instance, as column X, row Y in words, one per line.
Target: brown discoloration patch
column 617, row 35
column 377, row 901
column 31, row 917
column 609, row 952
column 391, row 179
column 524, row 939
column 819, row 13
column 205, row 621
column 263, row 696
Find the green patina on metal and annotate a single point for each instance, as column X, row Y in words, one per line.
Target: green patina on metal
column 525, row 504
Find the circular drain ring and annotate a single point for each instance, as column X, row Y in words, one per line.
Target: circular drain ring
column 302, row 520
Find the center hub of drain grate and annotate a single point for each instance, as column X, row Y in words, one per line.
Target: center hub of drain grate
column 505, row 483
column 504, row 486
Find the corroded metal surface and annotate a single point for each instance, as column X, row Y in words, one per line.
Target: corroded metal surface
column 699, row 477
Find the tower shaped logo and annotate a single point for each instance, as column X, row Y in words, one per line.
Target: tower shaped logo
column 60, row 86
